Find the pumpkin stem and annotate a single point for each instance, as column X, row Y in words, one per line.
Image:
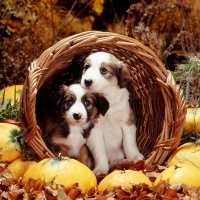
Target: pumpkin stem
column 176, row 167
column 123, row 171
column 59, row 157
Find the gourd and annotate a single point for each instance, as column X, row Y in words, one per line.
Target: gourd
column 63, row 171
column 19, row 166
column 192, row 121
column 181, row 173
column 11, row 142
column 125, row 178
column 12, row 92
column 186, row 153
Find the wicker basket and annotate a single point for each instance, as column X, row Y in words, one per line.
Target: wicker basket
column 158, row 103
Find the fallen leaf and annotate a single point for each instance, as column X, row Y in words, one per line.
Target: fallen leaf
column 139, row 165
column 74, row 191
column 30, row 185
column 51, row 191
column 61, row 194
column 6, row 178
column 160, row 188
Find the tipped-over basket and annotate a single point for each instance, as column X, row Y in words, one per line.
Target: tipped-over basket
column 156, row 100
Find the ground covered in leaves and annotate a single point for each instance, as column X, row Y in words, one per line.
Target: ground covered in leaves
column 10, row 189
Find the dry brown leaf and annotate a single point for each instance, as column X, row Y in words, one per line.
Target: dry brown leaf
column 50, row 191
column 139, row 165
column 61, row 194
column 74, row 191
column 126, row 164
column 1, row 152
column 91, row 192
column 3, row 166
column 193, row 193
column 30, row 185
column 121, row 192
column 40, row 195
column 160, row 188
column 100, row 197
column 172, row 193
column 15, row 192
column 152, row 174
column 6, row 178
column 4, row 194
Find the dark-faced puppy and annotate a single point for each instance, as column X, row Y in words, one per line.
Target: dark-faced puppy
column 116, row 131
column 66, row 127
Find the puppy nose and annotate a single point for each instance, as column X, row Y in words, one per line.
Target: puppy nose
column 77, row 116
column 88, row 82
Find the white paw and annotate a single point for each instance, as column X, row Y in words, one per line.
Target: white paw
column 138, row 158
column 98, row 170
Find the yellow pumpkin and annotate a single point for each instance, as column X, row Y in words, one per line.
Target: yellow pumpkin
column 63, row 171
column 10, row 92
column 181, row 173
column 192, row 121
column 11, row 141
column 186, row 153
column 125, row 178
column 19, row 166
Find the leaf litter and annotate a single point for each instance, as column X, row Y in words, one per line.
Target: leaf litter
column 12, row 190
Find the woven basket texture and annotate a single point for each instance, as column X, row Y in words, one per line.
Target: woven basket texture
column 156, row 100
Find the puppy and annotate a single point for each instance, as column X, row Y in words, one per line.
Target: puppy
column 113, row 138
column 66, row 127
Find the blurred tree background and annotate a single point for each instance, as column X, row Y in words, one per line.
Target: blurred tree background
column 28, row 27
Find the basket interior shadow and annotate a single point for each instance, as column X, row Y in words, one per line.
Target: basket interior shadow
column 156, row 100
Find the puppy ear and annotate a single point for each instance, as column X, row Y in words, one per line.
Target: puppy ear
column 102, row 104
column 61, row 94
column 124, row 77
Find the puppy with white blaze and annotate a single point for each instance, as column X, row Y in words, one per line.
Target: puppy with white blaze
column 66, row 126
column 113, row 139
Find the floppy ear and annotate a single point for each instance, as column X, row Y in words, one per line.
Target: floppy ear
column 124, row 77
column 61, row 94
column 102, row 104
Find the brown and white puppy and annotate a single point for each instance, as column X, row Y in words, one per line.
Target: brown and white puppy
column 66, row 127
column 113, row 138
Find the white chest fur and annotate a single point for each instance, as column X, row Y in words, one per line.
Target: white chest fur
column 74, row 140
column 114, row 124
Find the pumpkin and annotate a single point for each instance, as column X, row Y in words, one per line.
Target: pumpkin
column 11, row 91
column 11, row 141
column 19, row 166
column 181, row 173
column 188, row 152
column 192, row 121
column 124, row 178
column 63, row 171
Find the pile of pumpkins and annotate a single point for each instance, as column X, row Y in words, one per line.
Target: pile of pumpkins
column 183, row 164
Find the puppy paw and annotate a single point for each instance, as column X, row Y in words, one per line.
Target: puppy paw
column 138, row 158
column 100, row 170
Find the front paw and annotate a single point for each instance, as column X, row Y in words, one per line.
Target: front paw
column 138, row 157
column 98, row 170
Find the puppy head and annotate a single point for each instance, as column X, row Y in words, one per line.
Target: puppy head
column 78, row 105
column 103, row 70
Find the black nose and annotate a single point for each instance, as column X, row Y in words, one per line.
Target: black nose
column 88, row 82
column 77, row 116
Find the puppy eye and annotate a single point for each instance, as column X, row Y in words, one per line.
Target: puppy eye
column 87, row 102
column 69, row 102
column 86, row 66
column 103, row 70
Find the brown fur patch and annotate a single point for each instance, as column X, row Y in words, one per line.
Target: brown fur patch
column 85, row 156
column 91, row 109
